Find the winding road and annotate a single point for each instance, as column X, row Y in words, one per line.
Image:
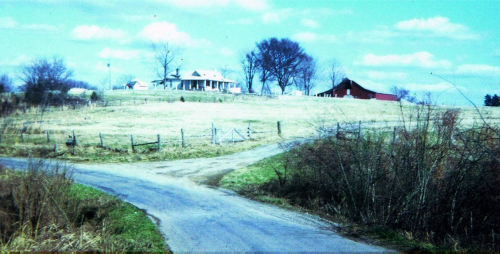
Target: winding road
column 196, row 217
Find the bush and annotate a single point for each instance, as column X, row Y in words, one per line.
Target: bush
column 94, row 96
column 430, row 177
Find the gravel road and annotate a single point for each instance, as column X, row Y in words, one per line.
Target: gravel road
column 197, row 217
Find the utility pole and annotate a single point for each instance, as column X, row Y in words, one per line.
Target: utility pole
column 109, row 78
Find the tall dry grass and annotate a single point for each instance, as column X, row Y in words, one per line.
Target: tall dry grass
column 430, row 177
column 41, row 209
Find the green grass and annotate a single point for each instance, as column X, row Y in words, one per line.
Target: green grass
column 129, row 227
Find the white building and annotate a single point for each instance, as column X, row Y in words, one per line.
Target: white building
column 201, row 80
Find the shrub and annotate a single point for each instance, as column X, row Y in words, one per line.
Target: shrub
column 427, row 176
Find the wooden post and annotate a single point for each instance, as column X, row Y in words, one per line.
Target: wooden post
column 249, row 130
column 213, row 134
column 48, row 137
column 22, row 138
column 55, row 147
column 100, row 137
column 120, row 102
column 0, row 137
column 279, row 128
column 394, row 135
column 132, row 142
column 183, row 140
column 359, row 130
column 159, row 143
column 338, row 130
column 232, row 135
column 75, row 142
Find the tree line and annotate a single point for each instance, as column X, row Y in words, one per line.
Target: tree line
column 492, row 101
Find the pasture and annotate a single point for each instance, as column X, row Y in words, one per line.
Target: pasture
column 145, row 114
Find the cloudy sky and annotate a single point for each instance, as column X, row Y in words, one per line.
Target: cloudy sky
column 380, row 43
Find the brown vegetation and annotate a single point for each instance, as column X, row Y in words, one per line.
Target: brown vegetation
column 429, row 177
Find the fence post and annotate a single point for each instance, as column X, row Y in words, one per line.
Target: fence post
column 359, row 130
column 338, row 130
column 75, row 142
column 159, row 143
column 0, row 137
column 279, row 128
column 120, row 102
column 100, row 137
column 55, row 147
column 232, row 135
column 213, row 134
column 183, row 140
column 48, row 137
column 249, row 130
column 132, row 142
column 22, row 138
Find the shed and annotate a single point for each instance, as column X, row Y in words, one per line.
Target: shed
column 137, row 84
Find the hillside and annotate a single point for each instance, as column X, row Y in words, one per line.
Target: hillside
column 145, row 114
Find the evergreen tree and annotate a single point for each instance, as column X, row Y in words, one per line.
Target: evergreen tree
column 495, row 101
column 487, row 100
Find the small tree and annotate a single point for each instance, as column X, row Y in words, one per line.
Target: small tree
column 336, row 72
column 249, row 65
column 5, row 84
column 165, row 55
column 306, row 75
column 487, row 100
column 402, row 93
column 495, row 101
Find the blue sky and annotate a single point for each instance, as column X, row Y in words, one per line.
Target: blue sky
column 379, row 43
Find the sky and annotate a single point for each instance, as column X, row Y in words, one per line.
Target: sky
column 447, row 48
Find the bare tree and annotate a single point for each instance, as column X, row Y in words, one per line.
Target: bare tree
column 165, row 56
column 306, row 75
column 5, row 84
column 281, row 58
column 41, row 76
column 402, row 93
column 335, row 72
column 248, row 63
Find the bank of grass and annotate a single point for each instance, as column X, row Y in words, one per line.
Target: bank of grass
column 43, row 210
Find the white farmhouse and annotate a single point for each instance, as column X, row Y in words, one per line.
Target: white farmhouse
column 200, row 80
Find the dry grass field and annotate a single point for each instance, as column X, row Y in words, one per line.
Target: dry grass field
column 145, row 114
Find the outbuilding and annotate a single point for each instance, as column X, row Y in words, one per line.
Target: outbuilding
column 350, row 89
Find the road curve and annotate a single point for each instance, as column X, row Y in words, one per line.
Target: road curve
column 195, row 217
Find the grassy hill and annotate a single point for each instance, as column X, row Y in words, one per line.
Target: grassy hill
column 145, row 114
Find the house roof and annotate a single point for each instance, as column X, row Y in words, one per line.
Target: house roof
column 347, row 84
column 136, row 81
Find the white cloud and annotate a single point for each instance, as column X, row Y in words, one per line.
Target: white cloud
column 437, row 26
column 197, row 4
column 226, row 52
column 22, row 59
column 96, row 33
column 118, row 54
column 166, row 32
column 271, row 17
column 7, row 22
column 433, row 88
column 312, row 37
column 383, row 75
column 305, row 37
column 253, row 4
column 419, row 59
column 277, row 16
column 309, row 23
column 478, row 70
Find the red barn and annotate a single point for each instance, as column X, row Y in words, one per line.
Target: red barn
column 350, row 89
